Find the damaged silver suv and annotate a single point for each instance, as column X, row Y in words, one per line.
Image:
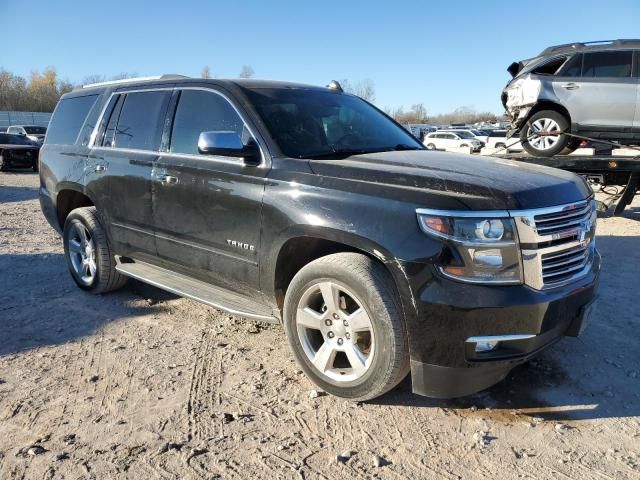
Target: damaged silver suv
column 589, row 89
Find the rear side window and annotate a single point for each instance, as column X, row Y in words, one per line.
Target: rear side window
column 68, row 118
column 607, row 64
column 140, row 121
column 199, row 111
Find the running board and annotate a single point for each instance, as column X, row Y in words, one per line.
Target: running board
column 184, row 286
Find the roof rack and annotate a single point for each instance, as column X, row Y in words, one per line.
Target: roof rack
column 170, row 76
column 597, row 43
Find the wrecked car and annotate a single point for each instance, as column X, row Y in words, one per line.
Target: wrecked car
column 588, row 89
column 310, row 207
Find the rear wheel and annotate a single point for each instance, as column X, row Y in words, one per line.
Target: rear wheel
column 88, row 254
column 345, row 326
column 541, row 136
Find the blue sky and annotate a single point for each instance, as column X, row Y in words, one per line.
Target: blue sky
column 442, row 53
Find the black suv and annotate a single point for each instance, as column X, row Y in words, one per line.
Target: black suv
column 310, row 206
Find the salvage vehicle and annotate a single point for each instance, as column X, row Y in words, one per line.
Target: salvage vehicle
column 34, row 133
column 311, row 207
column 445, row 139
column 588, row 89
column 16, row 151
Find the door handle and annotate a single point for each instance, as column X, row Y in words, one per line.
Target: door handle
column 571, row 86
column 100, row 168
column 169, row 180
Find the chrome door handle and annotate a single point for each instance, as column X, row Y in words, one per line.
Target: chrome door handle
column 169, row 180
column 99, row 168
column 571, row 86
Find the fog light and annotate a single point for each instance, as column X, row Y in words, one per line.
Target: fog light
column 486, row 346
column 489, row 258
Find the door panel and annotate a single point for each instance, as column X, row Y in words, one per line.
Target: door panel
column 605, row 94
column 207, row 209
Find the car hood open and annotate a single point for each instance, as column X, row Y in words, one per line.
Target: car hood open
column 468, row 182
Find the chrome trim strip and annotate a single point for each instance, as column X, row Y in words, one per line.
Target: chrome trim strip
column 499, row 338
column 546, row 210
column 463, row 213
column 177, row 291
column 185, row 243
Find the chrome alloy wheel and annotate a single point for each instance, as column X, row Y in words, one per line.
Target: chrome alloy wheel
column 82, row 252
column 335, row 331
column 539, row 136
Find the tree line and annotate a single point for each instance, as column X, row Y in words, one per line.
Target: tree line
column 41, row 91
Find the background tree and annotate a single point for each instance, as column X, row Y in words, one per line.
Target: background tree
column 246, row 72
column 364, row 89
column 206, row 72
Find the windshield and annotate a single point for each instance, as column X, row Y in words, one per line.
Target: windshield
column 10, row 139
column 35, row 130
column 309, row 123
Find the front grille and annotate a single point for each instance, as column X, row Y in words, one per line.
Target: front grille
column 558, row 243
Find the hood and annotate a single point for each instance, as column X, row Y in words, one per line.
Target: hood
column 459, row 182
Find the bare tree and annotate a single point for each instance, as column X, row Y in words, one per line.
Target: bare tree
column 206, row 72
column 246, row 72
column 364, row 89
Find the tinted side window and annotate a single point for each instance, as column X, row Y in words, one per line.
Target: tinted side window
column 68, row 118
column 572, row 68
column 141, row 119
column 607, row 64
column 110, row 132
column 199, row 111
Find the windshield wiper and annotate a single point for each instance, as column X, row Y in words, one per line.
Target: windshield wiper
column 338, row 153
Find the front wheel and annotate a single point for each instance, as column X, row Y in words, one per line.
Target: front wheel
column 542, row 135
column 345, row 326
column 431, row 146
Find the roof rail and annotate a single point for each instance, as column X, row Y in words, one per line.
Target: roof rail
column 170, row 76
column 576, row 45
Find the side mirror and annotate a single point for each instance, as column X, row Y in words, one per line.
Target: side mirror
column 228, row 144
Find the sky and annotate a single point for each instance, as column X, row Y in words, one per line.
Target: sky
column 444, row 54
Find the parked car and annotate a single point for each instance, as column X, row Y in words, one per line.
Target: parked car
column 447, row 139
column 590, row 89
column 498, row 139
column 477, row 134
column 311, row 207
column 34, row 133
column 16, row 151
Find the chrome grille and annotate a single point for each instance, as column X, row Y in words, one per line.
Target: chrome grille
column 558, row 243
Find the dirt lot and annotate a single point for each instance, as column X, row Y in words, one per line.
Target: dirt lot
column 140, row 384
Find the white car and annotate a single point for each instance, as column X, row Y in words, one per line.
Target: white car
column 498, row 139
column 35, row 133
column 477, row 134
column 445, row 140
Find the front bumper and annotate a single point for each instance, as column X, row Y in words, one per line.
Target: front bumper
column 445, row 365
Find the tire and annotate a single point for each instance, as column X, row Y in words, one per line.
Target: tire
column 431, row 146
column 545, row 146
column 500, row 145
column 365, row 293
column 35, row 166
column 82, row 229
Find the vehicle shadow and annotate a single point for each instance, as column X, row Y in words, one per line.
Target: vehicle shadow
column 594, row 376
column 10, row 193
column 41, row 306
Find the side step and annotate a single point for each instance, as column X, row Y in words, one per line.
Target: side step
column 184, row 286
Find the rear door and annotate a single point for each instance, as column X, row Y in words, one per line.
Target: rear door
column 119, row 168
column 207, row 209
column 603, row 96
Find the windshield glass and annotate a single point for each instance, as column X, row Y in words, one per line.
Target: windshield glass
column 309, row 123
column 35, row 130
column 9, row 139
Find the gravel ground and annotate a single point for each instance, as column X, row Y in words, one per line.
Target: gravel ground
column 141, row 384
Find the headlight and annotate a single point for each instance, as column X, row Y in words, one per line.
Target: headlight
column 483, row 246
